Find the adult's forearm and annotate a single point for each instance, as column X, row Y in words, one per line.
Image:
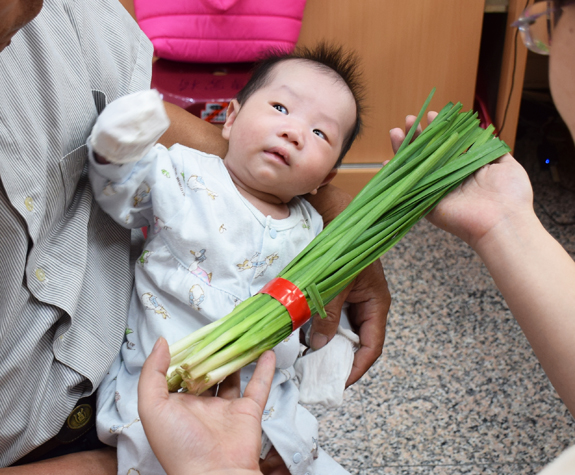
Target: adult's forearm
column 191, row 131
column 537, row 279
column 94, row 462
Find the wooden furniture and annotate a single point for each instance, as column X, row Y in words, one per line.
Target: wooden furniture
column 407, row 48
column 512, row 75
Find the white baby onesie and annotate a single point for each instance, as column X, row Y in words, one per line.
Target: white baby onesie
column 208, row 249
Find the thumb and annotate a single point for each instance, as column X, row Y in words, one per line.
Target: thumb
column 258, row 389
column 152, row 386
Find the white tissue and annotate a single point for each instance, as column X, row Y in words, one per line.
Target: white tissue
column 322, row 374
column 129, row 127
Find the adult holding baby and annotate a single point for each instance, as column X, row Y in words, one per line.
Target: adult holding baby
column 493, row 212
column 66, row 278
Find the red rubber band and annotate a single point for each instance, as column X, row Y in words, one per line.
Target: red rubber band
column 291, row 298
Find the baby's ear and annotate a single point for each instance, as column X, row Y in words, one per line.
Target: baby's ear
column 330, row 176
column 231, row 115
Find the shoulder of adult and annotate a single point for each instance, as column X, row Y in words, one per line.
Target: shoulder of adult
column 109, row 35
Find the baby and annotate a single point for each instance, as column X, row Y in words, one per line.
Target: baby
column 221, row 229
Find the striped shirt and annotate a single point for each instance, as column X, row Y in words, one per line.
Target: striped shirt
column 65, row 281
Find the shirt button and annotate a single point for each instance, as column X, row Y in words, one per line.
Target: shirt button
column 40, row 275
column 297, row 457
column 29, row 203
column 273, row 233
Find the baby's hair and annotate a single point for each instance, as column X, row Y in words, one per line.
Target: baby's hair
column 330, row 58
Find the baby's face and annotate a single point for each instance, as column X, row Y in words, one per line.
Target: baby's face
column 286, row 138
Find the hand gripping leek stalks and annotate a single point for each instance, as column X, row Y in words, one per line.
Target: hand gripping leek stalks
column 422, row 172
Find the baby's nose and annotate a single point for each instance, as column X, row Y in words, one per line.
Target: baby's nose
column 293, row 135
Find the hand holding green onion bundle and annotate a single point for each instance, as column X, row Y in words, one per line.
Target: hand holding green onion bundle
column 404, row 191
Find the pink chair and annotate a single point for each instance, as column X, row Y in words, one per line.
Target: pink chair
column 207, row 47
column 219, row 31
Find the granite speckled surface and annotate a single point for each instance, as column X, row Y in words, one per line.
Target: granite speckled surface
column 457, row 389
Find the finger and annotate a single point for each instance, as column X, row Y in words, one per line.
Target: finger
column 324, row 329
column 372, row 337
column 363, row 359
column 152, row 386
column 409, row 121
column 372, row 323
column 431, row 115
column 258, row 389
column 230, row 387
column 397, row 137
column 368, row 315
column 507, row 158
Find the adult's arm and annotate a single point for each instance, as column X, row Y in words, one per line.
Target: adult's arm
column 368, row 296
column 94, row 462
column 193, row 132
column 537, row 279
column 492, row 211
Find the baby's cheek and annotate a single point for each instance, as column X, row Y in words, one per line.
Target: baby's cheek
column 287, row 351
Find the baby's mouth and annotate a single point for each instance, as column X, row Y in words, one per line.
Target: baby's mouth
column 279, row 153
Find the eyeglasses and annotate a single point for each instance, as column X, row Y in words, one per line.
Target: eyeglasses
column 536, row 25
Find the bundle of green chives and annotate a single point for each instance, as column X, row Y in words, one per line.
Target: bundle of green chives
column 422, row 172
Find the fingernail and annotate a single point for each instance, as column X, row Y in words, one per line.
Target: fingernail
column 318, row 341
column 157, row 344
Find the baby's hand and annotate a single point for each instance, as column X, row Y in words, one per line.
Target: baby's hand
column 129, row 127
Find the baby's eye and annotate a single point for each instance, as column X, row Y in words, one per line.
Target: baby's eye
column 320, row 134
column 280, row 108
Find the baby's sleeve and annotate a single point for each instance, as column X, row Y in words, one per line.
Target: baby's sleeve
column 125, row 191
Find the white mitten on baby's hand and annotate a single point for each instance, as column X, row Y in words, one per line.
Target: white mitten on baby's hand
column 129, row 127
